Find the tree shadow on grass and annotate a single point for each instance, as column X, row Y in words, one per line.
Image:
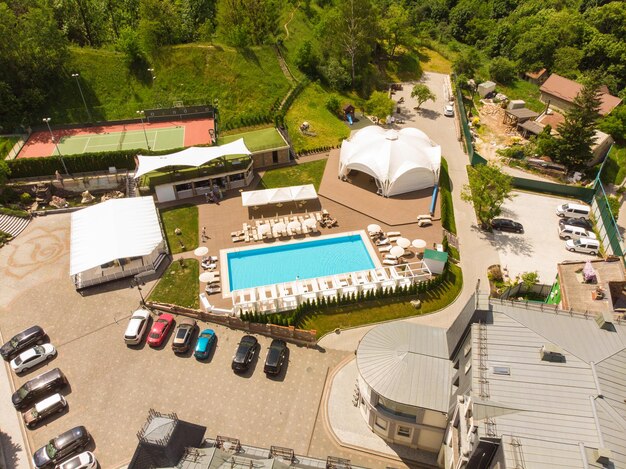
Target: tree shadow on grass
column 250, row 56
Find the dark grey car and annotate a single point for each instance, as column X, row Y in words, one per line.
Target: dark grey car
column 275, row 357
column 25, row 339
column 59, row 448
column 245, row 353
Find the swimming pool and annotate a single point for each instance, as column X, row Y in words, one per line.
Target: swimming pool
column 307, row 259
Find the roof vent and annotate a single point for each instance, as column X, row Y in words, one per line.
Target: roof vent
column 602, row 455
column 605, row 321
column 552, row 353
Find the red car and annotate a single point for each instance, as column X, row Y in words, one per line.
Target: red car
column 160, row 329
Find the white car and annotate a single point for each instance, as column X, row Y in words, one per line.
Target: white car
column 137, row 326
column 32, row 356
column 448, row 110
column 84, row 460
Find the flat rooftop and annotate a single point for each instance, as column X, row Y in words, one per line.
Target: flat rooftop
column 258, row 140
column 578, row 295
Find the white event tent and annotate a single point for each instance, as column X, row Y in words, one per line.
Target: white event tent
column 278, row 195
column 192, row 156
column 400, row 161
column 115, row 239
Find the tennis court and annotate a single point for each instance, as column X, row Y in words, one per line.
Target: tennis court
column 156, row 139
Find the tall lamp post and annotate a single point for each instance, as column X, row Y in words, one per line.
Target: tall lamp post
column 151, row 70
column 76, row 75
column 135, row 282
column 47, row 121
column 141, row 114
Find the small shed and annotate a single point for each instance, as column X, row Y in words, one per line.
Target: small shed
column 485, row 88
column 435, row 260
column 537, row 77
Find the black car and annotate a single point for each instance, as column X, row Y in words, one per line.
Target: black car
column 579, row 222
column 275, row 357
column 245, row 353
column 504, row 224
column 42, row 385
column 59, row 448
column 25, row 339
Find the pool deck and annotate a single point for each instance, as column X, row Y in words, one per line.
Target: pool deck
column 220, row 220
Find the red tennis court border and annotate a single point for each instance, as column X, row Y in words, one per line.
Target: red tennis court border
column 40, row 144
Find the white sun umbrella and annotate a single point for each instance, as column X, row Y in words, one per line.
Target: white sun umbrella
column 418, row 243
column 310, row 222
column 206, row 277
column 403, row 242
column 397, row 251
column 294, row 225
column 201, row 251
column 263, row 229
column 279, row 228
column 374, row 228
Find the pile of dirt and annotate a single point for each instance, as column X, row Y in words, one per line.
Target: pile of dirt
column 494, row 134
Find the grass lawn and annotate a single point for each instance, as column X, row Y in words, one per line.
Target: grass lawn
column 184, row 217
column 6, row 144
column 521, row 89
column 257, row 140
column 310, row 106
column 246, row 83
column 385, row 310
column 432, row 61
column 305, row 173
column 179, row 285
column 300, row 30
column 614, row 170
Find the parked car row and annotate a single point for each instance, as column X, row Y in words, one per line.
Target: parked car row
column 576, row 229
column 247, row 348
column 39, row 399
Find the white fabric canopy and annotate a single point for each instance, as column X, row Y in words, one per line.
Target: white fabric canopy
column 192, row 156
column 278, row 195
column 115, row 229
column 401, row 161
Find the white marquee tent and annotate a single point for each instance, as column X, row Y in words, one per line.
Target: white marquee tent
column 400, row 161
column 278, row 195
column 192, row 156
column 118, row 229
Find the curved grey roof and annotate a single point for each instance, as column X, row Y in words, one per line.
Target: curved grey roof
column 407, row 363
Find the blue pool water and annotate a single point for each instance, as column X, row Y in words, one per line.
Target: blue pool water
column 308, row 259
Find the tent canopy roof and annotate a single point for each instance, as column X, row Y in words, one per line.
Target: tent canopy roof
column 192, row 156
column 115, row 229
column 278, row 195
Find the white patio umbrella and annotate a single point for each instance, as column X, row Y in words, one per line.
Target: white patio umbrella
column 310, row 222
column 397, row 251
column 403, row 242
column 374, row 228
column 206, row 277
column 201, row 251
column 418, row 243
column 294, row 225
column 278, row 228
column 263, row 229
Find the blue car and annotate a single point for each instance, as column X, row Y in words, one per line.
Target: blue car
column 206, row 339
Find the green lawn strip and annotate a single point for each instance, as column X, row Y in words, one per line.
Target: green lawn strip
column 310, row 106
column 179, row 284
column 387, row 309
column 447, row 209
column 305, row 173
column 6, row 144
column 614, row 169
column 521, row 89
column 184, row 217
column 246, row 83
column 257, row 140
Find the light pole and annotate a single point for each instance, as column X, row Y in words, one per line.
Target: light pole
column 151, row 70
column 76, row 75
column 47, row 121
column 141, row 114
column 135, row 282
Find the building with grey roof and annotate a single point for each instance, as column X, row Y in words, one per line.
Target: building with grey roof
column 528, row 386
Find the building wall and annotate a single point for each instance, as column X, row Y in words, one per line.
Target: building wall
column 555, row 102
column 264, row 159
column 424, row 431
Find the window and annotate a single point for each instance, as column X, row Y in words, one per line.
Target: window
column 502, row 370
column 275, row 156
column 468, row 366
column 404, row 431
column 183, row 187
column 380, row 423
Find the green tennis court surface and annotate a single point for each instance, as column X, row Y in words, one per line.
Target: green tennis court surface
column 158, row 139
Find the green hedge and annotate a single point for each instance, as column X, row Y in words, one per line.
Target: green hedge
column 445, row 192
column 15, row 212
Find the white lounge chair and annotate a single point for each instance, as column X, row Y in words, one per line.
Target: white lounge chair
column 393, row 233
column 384, row 249
column 382, row 242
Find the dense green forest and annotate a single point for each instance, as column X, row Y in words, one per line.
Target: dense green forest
column 132, row 53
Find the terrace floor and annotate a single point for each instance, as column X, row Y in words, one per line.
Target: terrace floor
column 360, row 194
column 220, row 220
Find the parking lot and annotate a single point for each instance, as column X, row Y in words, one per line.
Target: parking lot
column 112, row 386
column 539, row 248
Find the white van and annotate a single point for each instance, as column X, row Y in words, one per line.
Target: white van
column 586, row 245
column 575, row 232
column 573, row 211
